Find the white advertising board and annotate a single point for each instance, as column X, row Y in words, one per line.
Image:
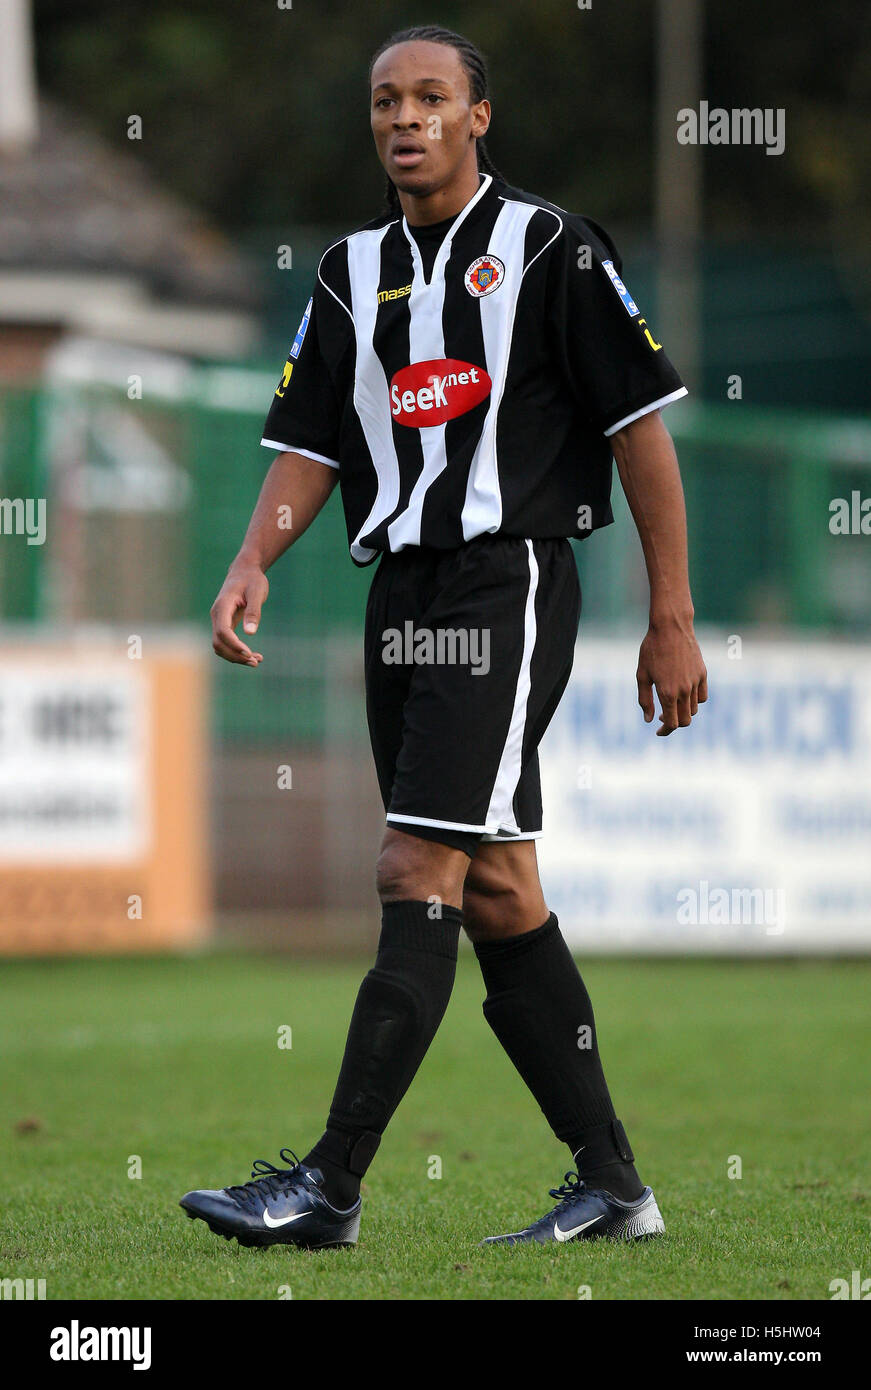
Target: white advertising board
column 73, row 762
column 748, row 832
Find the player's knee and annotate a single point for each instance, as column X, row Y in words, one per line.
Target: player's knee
column 493, row 902
column 392, row 874
column 480, row 916
column 416, row 870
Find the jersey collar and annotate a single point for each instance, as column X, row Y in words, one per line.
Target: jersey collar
column 444, row 250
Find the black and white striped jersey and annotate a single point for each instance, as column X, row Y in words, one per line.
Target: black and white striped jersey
column 474, row 390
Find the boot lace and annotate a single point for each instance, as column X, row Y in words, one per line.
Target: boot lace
column 267, row 1180
column 569, row 1191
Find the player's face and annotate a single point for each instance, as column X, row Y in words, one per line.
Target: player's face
column 423, row 119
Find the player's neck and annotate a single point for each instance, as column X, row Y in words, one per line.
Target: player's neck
column 444, row 202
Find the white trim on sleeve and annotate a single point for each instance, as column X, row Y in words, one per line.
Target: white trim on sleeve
column 645, row 410
column 292, row 449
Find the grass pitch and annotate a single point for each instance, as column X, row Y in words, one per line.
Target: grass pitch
column 177, row 1062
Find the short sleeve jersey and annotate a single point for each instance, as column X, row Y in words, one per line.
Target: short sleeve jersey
column 465, row 378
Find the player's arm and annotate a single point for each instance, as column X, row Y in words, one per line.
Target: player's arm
column 293, row 492
column 670, row 660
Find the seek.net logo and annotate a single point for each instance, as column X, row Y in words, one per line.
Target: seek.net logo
column 429, row 393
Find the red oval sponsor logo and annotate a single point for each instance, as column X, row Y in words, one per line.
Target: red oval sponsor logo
column 429, row 393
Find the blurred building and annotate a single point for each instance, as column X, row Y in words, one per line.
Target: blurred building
column 91, row 245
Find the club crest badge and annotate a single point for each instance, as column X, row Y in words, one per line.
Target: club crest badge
column 484, row 276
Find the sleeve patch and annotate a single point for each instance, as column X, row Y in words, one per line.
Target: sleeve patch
column 301, row 331
column 628, row 302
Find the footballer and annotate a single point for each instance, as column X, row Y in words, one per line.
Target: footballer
column 467, row 369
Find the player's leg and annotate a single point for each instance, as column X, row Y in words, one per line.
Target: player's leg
column 537, row 1003
column 399, row 1006
column 315, row 1202
column 539, row 1009
column 402, row 999
column 538, row 1006
column 419, row 878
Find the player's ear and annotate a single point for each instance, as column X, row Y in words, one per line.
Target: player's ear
column 480, row 118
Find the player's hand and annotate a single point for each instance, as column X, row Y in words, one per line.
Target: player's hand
column 671, row 663
column 243, row 591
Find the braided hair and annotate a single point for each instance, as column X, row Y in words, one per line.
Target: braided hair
column 475, row 66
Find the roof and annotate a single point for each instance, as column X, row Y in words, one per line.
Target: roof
column 74, row 203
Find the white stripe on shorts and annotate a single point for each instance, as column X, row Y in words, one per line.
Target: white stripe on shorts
column 511, row 839
column 439, row 824
column 500, row 812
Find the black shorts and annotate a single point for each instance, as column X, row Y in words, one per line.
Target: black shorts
column 467, row 655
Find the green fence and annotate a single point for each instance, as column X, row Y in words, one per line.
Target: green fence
column 148, row 500
column 21, row 476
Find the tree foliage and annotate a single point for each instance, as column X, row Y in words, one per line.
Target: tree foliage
column 259, row 114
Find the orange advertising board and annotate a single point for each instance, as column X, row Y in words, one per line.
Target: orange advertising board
column 102, row 796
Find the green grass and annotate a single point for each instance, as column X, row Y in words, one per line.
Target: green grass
column 177, row 1061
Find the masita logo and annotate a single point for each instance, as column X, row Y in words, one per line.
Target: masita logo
column 429, row 393
column 75, row 1343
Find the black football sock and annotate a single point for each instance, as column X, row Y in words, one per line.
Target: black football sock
column 399, row 1008
column 539, row 1009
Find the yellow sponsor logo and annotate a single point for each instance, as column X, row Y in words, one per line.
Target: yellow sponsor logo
column 285, row 378
column 649, row 336
column 385, row 295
